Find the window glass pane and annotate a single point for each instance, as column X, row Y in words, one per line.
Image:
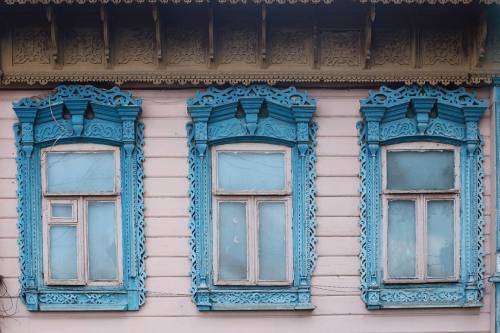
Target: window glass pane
column 272, row 241
column 80, row 172
column 102, row 240
column 440, row 237
column 61, row 210
column 63, row 253
column 232, row 241
column 401, row 239
column 249, row 171
column 426, row 170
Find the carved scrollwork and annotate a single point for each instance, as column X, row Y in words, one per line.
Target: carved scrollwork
column 185, row 46
column 253, row 298
column 31, row 44
column 135, row 44
column 442, row 47
column 288, row 47
column 238, row 45
column 83, row 45
column 391, row 47
column 340, row 48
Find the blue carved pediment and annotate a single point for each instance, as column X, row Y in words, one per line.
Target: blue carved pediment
column 75, row 111
column 255, row 112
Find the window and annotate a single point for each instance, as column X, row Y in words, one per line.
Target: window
column 421, row 212
column 252, row 165
column 422, row 198
column 252, row 205
column 81, row 200
column 81, row 214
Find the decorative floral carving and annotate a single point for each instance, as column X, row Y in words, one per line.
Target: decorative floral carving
column 238, row 45
column 74, row 298
column 391, row 47
column 442, row 47
column 31, row 45
column 493, row 46
column 340, row 48
column 232, row 127
column 83, row 45
column 185, row 46
column 406, row 127
column 253, row 297
column 276, row 129
column 135, row 44
column 288, row 46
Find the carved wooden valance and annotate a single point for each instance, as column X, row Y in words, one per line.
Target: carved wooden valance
column 340, row 44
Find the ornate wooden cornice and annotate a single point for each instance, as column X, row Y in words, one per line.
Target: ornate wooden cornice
column 341, row 44
column 311, row 2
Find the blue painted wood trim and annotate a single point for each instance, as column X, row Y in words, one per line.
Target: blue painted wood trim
column 256, row 113
column 422, row 113
column 44, row 122
column 496, row 276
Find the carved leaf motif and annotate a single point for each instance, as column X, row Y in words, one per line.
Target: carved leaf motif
column 83, row 45
column 226, row 129
column 31, row 45
column 276, row 130
column 391, row 47
column 340, row 48
column 135, row 45
column 185, row 46
column 77, row 298
column 253, row 298
column 442, row 47
column 238, row 45
column 288, row 46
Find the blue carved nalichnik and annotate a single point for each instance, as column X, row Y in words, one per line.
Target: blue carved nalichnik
column 60, row 118
column 256, row 113
column 422, row 113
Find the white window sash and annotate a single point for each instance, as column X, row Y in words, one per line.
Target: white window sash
column 253, row 148
column 80, row 200
column 421, row 236
column 252, row 228
column 80, row 148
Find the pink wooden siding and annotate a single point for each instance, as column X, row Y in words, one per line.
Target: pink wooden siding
column 168, row 307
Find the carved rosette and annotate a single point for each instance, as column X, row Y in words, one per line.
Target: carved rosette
column 386, row 120
column 288, row 122
column 41, row 123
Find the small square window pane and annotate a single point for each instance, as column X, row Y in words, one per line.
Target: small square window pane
column 232, row 241
column 420, row 170
column 401, row 239
column 440, row 238
column 272, row 241
column 251, row 171
column 62, row 210
column 103, row 261
column 63, row 253
column 86, row 172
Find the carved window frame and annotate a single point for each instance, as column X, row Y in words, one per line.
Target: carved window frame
column 73, row 115
column 422, row 114
column 252, row 114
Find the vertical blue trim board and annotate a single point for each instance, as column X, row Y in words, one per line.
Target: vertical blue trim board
column 412, row 114
column 63, row 117
column 256, row 113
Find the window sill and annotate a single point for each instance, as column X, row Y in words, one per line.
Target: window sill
column 82, row 300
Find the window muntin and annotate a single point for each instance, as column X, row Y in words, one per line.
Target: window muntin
column 82, row 228
column 421, row 217
column 245, row 250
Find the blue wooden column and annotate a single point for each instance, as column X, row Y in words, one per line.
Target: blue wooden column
column 496, row 277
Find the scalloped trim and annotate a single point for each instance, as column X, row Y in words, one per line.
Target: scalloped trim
column 272, row 78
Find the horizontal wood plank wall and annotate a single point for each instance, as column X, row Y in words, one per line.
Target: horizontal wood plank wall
column 168, row 307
